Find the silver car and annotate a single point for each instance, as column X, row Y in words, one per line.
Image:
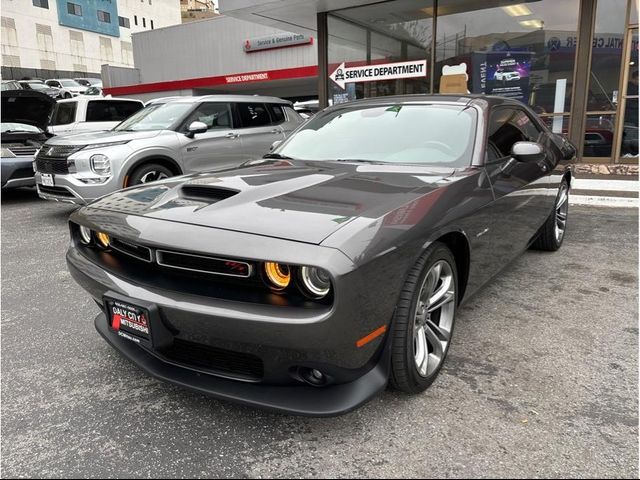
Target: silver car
column 164, row 139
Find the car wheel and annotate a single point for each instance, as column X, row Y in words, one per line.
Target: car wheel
column 424, row 320
column 149, row 172
column 66, row 95
column 552, row 232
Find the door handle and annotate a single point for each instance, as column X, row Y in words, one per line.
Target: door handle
column 275, row 130
column 232, row 135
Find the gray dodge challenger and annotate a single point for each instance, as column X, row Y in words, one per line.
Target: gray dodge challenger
column 308, row 280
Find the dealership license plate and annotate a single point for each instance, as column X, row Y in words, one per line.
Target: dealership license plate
column 47, row 179
column 129, row 320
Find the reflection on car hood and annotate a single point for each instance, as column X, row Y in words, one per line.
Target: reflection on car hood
column 295, row 200
column 27, row 106
column 107, row 136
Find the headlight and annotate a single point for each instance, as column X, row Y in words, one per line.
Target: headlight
column 278, row 274
column 103, row 239
column 6, row 153
column 85, row 235
column 101, row 164
column 316, row 281
column 104, row 145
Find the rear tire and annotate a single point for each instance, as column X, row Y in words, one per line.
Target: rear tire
column 424, row 320
column 149, row 172
column 552, row 232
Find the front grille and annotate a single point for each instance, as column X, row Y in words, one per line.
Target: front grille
column 54, row 159
column 58, row 166
column 203, row 264
column 23, row 150
column 58, row 191
column 137, row 251
column 216, row 360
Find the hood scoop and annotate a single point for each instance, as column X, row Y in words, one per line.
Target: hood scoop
column 206, row 193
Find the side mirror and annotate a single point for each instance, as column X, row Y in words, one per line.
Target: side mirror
column 275, row 145
column 528, row 152
column 195, row 128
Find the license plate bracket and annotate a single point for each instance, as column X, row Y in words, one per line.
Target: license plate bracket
column 47, row 179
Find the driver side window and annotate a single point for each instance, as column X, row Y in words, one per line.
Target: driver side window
column 215, row 116
column 506, row 127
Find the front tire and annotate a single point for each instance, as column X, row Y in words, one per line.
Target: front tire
column 424, row 320
column 552, row 232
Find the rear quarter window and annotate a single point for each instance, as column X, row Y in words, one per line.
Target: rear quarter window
column 277, row 114
column 64, row 113
column 110, row 110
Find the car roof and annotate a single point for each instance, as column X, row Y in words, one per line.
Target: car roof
column 231, row 98
column 90, row 98
column 487, row 100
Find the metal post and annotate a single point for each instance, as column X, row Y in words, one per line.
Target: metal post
column 580, row 95
column 323, row 60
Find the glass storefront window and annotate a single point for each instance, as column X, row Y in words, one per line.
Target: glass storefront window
column 524, row 51
column 385, row 32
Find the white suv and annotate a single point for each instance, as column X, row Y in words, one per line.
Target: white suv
column 90, row 114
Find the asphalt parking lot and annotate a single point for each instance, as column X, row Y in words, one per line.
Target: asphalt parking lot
column 541, row 380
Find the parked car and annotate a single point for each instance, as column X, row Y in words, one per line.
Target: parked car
column 24, row 118
column 506, row 75
column 89, row 82
column 306, row 281
column 88, row 114
column 165, row 139
column 10, row 85
column 38, row 86
column 69, row 87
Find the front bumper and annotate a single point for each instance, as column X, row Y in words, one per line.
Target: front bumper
column 298, row 400
column 69, row 189
column 17, row 172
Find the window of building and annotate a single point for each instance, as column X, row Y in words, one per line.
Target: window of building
column 135, row 20
column 151, row 24
column 111, row 110
column 74, row 9
column 77, row 43
column 144, row 22
column 10, row 61
column 9, row 34
column 47, row 64
column 104, row 17
column 124, row 22
column 253, row 115
column 127, row 53
column 106, row 50
column 44, row 38
column 41, row 3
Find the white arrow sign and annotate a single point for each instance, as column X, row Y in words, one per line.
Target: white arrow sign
column 385, row 71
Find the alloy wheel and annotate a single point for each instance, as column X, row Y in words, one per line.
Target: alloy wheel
column 434, row 315
column 562, row 210
column 153, row 176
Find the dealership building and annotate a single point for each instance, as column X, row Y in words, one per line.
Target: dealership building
column 574, row 61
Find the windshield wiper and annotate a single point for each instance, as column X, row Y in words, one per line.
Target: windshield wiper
column 278, row 156
column 357, row 160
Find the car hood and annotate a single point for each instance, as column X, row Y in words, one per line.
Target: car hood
column 27, row 106
column 104, row 136
column 294, row 200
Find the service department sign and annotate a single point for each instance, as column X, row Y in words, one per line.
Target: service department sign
column 385, row 71
column 278, row 40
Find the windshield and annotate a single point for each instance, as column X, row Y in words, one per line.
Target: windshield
column 37, row 86
column 429, row 134
column 69, row 83
column 155, row 117
column 18, row 127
